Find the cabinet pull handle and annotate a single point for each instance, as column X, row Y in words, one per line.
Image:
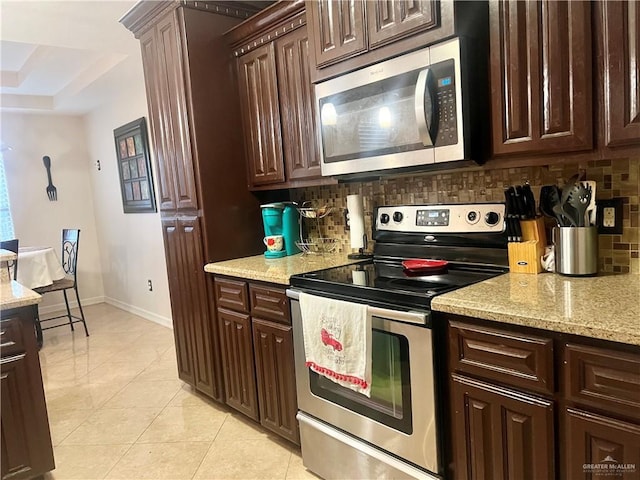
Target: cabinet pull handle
column 15, row 358
column 7, row 344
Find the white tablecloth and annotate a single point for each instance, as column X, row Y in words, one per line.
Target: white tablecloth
column 38, row 266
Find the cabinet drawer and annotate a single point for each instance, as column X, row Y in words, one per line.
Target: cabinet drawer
column 11, row 340
column 270, row 303
column 516, row 359
column 603, row 378
column 232, row 294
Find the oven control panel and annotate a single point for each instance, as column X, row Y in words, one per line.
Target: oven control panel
column 458, row 218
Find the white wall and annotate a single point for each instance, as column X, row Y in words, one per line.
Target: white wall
column 38, row 221
column 132, row 250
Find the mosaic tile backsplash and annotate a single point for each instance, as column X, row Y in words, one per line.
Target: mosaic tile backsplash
column 615, row 178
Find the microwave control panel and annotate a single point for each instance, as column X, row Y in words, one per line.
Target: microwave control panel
column 444, row 95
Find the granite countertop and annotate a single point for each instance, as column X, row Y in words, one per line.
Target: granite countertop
column 14, row 295
column 7, row 255
column 276, row 270
column 605, row 307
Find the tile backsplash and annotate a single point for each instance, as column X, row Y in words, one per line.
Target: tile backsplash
column 615, row 178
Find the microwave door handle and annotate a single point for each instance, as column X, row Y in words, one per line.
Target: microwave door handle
column 424, row 116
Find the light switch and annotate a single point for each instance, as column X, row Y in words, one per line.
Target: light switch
column 609, row 217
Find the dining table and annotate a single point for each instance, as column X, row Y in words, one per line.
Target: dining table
column 39, row 266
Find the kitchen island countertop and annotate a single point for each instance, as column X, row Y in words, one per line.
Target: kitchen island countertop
column 605, row 307
column 14, row 295
column 276, row 270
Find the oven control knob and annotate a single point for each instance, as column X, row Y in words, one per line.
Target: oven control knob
column 473, row 217
column 384, row 218
column 492, row 218
column 397, row 216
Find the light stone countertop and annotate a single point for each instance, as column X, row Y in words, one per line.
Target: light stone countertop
column 276, row 270
column 605, row 307
column 7, row 255
column 14, row 295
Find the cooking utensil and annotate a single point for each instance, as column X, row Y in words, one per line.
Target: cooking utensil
column 580, row 198
column 566, row 190
column 591, row 209
column 52, row 191
column 550, row 204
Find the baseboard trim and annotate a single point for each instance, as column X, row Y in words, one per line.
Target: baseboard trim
column 153, row 317
column 61, row 307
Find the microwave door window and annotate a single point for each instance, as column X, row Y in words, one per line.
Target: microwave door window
column 371, row 120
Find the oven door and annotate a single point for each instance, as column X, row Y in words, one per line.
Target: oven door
column 399, row 417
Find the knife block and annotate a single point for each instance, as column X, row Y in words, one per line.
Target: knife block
column 524, row 257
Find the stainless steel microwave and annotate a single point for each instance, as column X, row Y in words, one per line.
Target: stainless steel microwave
column 400, row 113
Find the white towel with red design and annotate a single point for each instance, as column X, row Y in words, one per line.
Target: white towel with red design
column 337, row 341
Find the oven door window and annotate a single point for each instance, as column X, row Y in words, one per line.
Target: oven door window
column 390, row 402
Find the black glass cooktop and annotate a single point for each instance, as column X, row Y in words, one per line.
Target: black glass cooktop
column 387, row 282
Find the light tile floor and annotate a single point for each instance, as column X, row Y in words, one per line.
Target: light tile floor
column 117, row 410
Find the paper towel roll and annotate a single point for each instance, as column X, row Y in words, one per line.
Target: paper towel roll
column 355, row 207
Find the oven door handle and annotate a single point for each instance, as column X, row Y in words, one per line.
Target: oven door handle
column 424, row 117
column 413, row 317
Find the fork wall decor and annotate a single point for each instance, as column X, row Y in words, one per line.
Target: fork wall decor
column 52, row 191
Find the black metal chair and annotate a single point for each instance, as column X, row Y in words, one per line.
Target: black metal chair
column 70, row 242
column 12, row 265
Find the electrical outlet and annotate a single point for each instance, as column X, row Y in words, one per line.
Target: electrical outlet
column 150, row 285
column 609, row 216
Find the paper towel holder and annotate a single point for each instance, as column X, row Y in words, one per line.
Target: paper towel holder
column 362, row 254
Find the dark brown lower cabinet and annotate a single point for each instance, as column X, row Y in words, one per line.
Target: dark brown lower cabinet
column 237, row 360
column 500, row 433
column 600, row 446
column 257, row 353
column 26, row 450
column 194, row 330
column 273, row 348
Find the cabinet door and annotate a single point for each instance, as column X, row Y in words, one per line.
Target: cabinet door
column 154, row 85
column 179, row 292
column 260, row 115
column 389, row 21
column 337, row 28
column 500, row 434
column 621, row 87
column 297, row 106
column 237, row 358
column 541, row 72
column 273, row 348
column 603, row 442
column 174, row 112
column 26, row 449
column 198, row 308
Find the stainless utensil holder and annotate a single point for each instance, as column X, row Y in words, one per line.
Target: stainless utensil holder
column 576, row 250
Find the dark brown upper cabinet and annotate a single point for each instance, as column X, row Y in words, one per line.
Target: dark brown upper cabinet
column 276, row 98
column 540, row 76
column 166, row 93
column 620, row 23
column 350, row 34
column 338, row 28
column 297, row 107
column 260, row 115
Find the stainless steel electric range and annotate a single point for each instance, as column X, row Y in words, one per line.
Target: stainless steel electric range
column 421, row 251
